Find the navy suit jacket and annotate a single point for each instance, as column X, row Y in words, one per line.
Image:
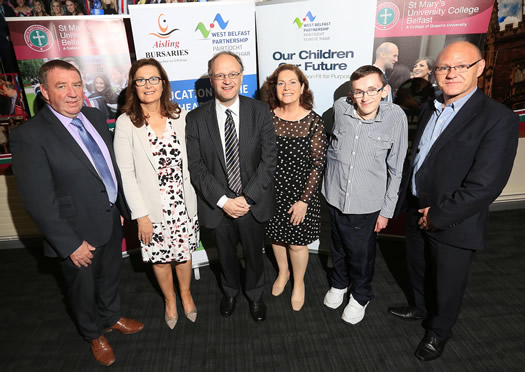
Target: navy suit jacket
column 59, row 186
column 257, row 154
column 466, row 169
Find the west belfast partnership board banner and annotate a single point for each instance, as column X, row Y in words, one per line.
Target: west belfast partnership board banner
column 184, row 36
column 327, row 40
column 96, row 45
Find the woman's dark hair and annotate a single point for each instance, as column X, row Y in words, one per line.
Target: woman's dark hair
column 132, row 107
column 270, row 88
column 431, row 63
column 78, row 8
column 108, row 93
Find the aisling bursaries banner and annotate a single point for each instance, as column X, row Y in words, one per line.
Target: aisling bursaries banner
column 183, row 37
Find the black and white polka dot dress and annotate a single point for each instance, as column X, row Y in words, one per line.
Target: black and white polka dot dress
column 301, row 154
column 177, row 236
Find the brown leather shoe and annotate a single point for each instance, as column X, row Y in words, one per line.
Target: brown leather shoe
column 102, row 351
column 126, row 326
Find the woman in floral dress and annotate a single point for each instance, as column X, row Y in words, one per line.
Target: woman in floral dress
column 151, row 153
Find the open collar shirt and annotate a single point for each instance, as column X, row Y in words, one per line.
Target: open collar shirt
column 365, row 159
column 438, row 122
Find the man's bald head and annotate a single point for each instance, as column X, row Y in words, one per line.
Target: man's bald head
column 465, row 64
column 386, row 55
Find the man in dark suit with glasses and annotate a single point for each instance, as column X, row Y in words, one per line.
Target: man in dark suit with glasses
column 232, row 158
column 462, row 157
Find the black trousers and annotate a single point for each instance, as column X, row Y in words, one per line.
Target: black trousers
column 93, row 291
column 353, row 249
column 438, row 275
column 250, row 234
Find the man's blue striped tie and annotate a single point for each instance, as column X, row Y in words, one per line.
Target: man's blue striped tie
column 98, row 159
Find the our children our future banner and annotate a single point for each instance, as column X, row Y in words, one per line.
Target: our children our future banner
column 327, row 41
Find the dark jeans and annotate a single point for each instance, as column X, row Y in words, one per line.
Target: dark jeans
column 353, row 252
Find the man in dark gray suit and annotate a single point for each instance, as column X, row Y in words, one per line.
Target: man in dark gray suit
column 463, row 154
column 70, row 185
column 232, row 158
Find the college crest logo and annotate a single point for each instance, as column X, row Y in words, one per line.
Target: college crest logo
column 38, row 38
column 387, row 16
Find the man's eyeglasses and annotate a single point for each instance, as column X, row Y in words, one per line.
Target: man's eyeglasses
column 370, row 92
column 231, row 75
column 443, row 70
column 154, row 80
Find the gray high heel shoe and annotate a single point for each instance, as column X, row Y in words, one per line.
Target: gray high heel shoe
column 192, row 314
column 171, row 321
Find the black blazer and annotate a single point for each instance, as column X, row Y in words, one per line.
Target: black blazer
column 59, row 187
column 257, row 154
column 466, row 169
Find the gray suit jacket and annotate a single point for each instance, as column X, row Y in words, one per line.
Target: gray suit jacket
column 257, row 153
column 59, row 186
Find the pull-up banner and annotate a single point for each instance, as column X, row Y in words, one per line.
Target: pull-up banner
column 184, row 36
column 326, row 40
column 96, row 45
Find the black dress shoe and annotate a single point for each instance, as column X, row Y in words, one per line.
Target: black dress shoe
column 258, row 310
column 430, row 348
column 228, row 305
column 405, row 312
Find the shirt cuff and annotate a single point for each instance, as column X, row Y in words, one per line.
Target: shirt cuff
column 386, row 213
column 222, row 201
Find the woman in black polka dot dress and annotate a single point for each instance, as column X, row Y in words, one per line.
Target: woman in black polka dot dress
column 301, row 145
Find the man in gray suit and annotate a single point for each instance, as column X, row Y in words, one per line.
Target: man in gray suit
column 232, row 158
column 70, row 185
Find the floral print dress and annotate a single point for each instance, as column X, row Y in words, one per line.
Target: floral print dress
column 177, row 236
